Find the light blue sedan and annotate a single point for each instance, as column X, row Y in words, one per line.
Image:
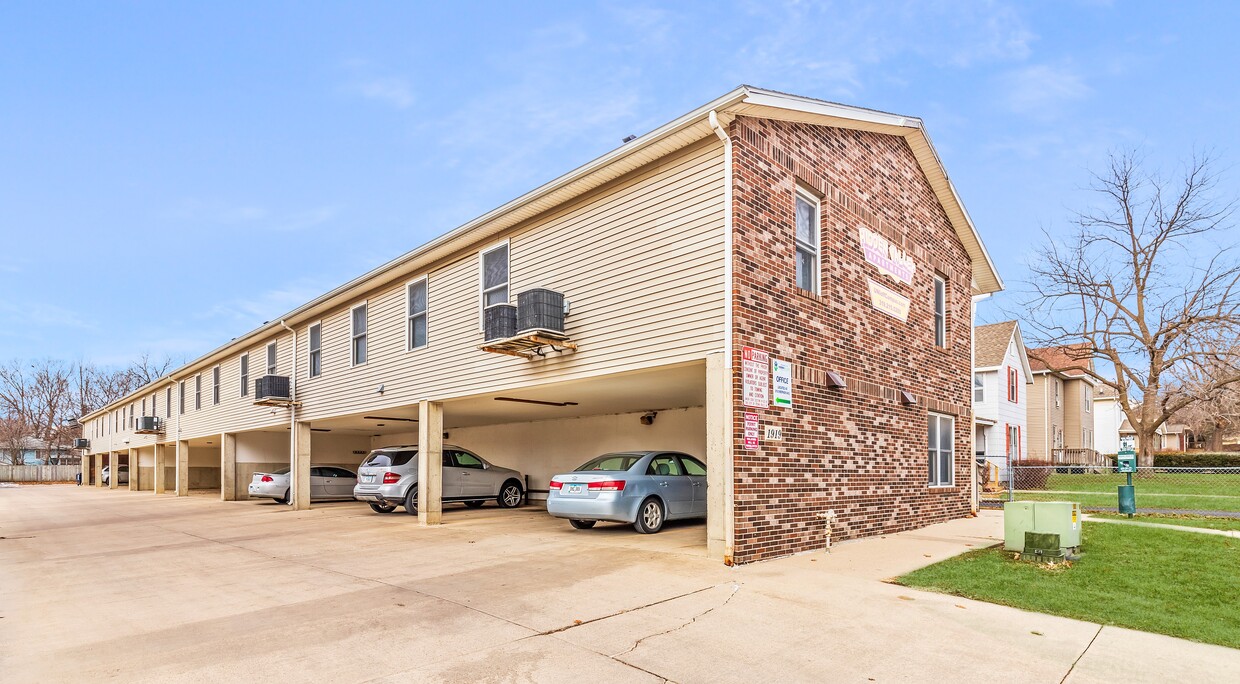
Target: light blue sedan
column 645, row 488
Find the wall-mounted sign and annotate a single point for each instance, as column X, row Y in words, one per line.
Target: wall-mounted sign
column 886, row 257
column 888, row 301
column 756, row 377
column 751, row 431
column 773, row 434
column 781, row 378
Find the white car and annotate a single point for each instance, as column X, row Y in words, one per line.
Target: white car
column 122, row 475
column 327, row 483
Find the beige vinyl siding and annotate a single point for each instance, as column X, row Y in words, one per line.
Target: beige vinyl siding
column 640, row 259
column 1039, row 396
column 1074, row 415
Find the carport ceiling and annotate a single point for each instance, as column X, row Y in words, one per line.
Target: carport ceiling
column 667, row 388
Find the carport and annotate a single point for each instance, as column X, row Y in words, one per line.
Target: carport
column 268, row 450
column 545, row 429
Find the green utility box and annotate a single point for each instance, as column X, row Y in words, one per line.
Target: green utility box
column 1053, row 517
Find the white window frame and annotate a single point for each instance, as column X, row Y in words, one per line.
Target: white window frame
column 935, row 454
column 979, row 387
column 482, row 289
column 798, row 245
column 215, row 385
column 181, row 398
column 1013, row 442
column 168, row 401
column 1013, row 385
column 354, row 336
column 243, row 368
column 426, row 313
column 940, row 316
column 312, row 351
column 273, row 358
column 1089, row 399
column 198, row 392
column 1058, row 391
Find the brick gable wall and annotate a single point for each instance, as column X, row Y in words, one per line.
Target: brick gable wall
column 856, row 451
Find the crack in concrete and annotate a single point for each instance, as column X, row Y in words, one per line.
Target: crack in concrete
column 1078, row 658
column 735, row 588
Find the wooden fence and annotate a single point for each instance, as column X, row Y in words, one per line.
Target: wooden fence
column 37, row 473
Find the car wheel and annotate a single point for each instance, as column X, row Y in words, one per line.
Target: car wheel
column 649, row 516
column 382, row 508
column 509, row 495
column 411, row 499
column 474, row 504
column 581, row 524
column 287, row 499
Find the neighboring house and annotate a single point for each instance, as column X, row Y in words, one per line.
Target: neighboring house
column 778, row 285
column 1110, row 424
column 1061, row 408
column 1002, row 378
column 35, row 451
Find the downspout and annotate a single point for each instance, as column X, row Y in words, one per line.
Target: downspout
column 729, row 482
column 292, row 418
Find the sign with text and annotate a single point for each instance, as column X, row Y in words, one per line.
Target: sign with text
column 886, row 257
column 889, row 301
column 781, row 379
column 751, row 431
column 773, row 433
column 755, row 377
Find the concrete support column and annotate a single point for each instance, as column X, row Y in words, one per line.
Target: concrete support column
column 182, row 468
column 85, row 469
column 98, row 463
column 160, row 455
column 430, row 462
column 720, row 439
column 113, row 458
column 300, row 467
column 133, row 470
column 228, row 466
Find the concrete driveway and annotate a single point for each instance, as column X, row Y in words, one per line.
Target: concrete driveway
column 130, row 586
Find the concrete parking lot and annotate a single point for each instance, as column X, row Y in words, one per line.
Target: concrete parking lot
column 128, row 586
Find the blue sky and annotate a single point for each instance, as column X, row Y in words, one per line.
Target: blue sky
column 163, row 165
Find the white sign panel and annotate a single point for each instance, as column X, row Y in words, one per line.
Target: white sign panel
column 756, row 377
column 781, row 377
column 889, row 301
column 886, row 257
column 773, row 434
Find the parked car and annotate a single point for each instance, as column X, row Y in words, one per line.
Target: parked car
column 327, row 483
column 389, row 478
column 122, row 475
column 645, row 488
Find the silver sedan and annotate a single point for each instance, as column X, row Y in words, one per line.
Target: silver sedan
column 645, row 488
column 327, row 483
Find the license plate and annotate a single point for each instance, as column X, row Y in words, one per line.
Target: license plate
column 575, row 489
column 368, row 478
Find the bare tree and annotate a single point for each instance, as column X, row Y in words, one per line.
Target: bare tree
column 1215, row 414
column 14, row 437
column 1148, row 283
column 39, row 394
column 146, row 370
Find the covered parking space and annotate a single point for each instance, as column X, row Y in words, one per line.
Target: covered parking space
column 545, row 429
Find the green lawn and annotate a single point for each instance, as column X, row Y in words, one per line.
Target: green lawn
column 1165, row 581
column 1181, row 520
column 1181, row 491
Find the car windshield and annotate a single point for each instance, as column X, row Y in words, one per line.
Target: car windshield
column 387, row 459
column 611, row 462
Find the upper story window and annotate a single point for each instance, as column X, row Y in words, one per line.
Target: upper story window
column 143, row 407
column 198, row 391
column 315, row 348
column 495, row 276
column 168, row 402
column 1058, row 389
column 1089, row 399
column 245, row 375
column 131, row 425
column 1013, row 379
column 181, row 390
column 271, row 359
column 416, row 307
column 215, row 385
column 979, row 388
column 941, row 442
column 358, row 315
column 940, row 311
column 808, row 272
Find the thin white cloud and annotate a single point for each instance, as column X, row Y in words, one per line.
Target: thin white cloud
column 214, row 213
column 387, row 89
column 1042, row 90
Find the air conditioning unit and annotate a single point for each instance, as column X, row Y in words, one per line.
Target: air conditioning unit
column 272, row 389
column 148, row 425
column 540, row 311
column 81, row 443
column 499, row 322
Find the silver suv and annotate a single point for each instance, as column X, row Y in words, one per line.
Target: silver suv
column 389, row 478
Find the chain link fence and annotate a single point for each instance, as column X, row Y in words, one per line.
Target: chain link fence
column 1185, row 491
